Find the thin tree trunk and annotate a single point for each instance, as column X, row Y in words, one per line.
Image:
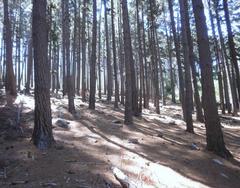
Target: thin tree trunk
column 10, row 82
column 177, row 49
column 128, row 119
column 146, row 99
column 198, row 103
column 93, row 59
column 84, row 50
column 224, row 55
column 109, row 66
column 153, row 47
column 29, row 66
column 121, row 57
column 114, row 58
column 99, row 54
column 70, row 82
column 140, row 54
column 63, row 51
column 233, row 53
column 186, row 53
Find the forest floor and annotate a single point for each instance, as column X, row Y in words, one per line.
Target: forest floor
column 154, row 152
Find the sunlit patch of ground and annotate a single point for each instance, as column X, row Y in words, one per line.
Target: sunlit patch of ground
column 154, row 152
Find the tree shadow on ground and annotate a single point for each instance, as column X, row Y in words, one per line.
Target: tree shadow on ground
column 173, row 150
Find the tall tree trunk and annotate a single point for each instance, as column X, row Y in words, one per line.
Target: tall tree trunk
column 63, row 51
column 186, row 53
column 10, row 82
column 169, row 44
column 29, row 65
column 232, row 49
column 114, row 58
column 140, row 54
column 198, row 103
column 177, row 49
column 99, row 54
column 84, row 50
column 215, row 141
column 74, row 46
column 109, row 66
column 219, row 65
column 147, row 96
column 78, row 50
column 93, row 59
column 70, row 82
column 128, row 119
column 225, row 61
column 154, row 59
column 121, row 57
column 42, row 134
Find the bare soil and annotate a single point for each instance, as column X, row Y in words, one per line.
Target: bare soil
column 154, row 152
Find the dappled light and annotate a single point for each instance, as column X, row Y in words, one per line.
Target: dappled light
column 119, row 94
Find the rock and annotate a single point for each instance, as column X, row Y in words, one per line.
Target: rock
column 194, row 146
column 160, row 135
column 63, row 123
column 133, row 141
column 177, row 116
column 48, row 184
column 116, row 121
column 77, row 115
column 217, row 161
column 172, row 123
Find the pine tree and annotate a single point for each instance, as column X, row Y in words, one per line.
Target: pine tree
column 42, row 134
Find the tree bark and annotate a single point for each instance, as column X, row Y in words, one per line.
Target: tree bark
column 225, row 61
column 177, row 50
column 84, row 50
column 128, row 119
column 186, row 52
column 114, row 58
column 42, row 134
column 231, row 43
column 109, row 65
column 215, row 141
column 93, row 59
column 29, row 65
column 70, row 82
column 154, row 59
column 10, row 82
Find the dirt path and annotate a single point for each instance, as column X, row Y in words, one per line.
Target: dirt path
column 154, row 152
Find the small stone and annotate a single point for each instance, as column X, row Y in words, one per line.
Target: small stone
column 217, row 161
column 48, row 184
column 194, row 146
column 116, row 121
column 160, row 135
column 62, row 123
column 133, row 141
column 77, row 115
column 172, row 123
